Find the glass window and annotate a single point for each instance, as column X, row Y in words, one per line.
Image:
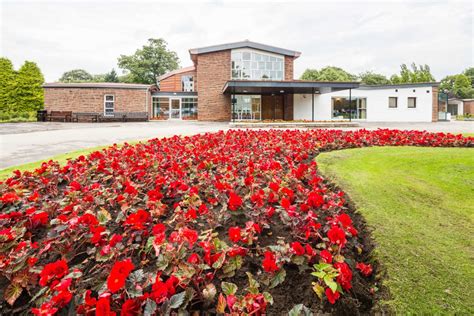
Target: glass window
column 247, row 65
column 189, row 108
column 246, row 107
column 187, row 83
column 392, row 102
column 109, row 105
column 161, row 108
column 411, row 103
column 343, row 109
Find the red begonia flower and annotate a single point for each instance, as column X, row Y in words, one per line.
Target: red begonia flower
column 119, row 274
column 234, row 234
column 332, row 296
column 269, row 263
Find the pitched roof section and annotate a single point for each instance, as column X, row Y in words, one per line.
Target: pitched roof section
column 244, row 44
column 175, row 72
column 106, row 85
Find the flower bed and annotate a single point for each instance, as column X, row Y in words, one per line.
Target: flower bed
column 235, row 222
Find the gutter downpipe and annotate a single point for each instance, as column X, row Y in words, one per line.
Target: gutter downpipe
column 312, row 104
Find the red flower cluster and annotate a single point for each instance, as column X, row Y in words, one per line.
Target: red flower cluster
column 119, row 274
column 53, row 272
column 269, row 263
column 365, row 269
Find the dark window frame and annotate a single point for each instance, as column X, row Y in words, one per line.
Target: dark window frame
column 396, row 103
column 414, row 103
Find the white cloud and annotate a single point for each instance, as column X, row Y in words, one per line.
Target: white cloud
column 374, row 35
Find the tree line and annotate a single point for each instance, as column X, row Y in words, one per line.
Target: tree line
column 21, row 91
column 144, row 66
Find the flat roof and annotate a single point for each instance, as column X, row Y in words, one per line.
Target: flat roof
column 400, row 85
column 287, row 86
column 105, row 85
column 244, row 44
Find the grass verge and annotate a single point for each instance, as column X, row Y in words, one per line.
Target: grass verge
column 62, row 158
column 419, row 203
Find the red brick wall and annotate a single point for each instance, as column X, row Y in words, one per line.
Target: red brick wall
column 289, row 67
column 92, row 99
column 213, row 71
column 468, row 107
column 434, row 113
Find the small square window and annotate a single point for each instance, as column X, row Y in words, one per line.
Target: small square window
column 392, row 102
column 411, row 103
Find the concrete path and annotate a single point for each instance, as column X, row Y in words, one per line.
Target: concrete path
column 28, row 142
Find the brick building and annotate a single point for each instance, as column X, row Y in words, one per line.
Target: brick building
column 248, row 81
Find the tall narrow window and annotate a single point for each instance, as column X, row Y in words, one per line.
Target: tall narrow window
column 392, row 102
column 411, row 102
column 187, row 83
column 109, row 104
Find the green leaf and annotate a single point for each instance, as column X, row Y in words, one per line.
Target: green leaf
column 136, row 276
column 278, row 278
column 209, row 292
column 299, row 310
column 298, row 260
column 319, row 274
column 150, row 308
column 229, row 288
column 219, row 262
column 177, row 300
column 322, row 266
column 253, row 284
column 268, row 297
column 74, row 275
column 330, row 282
column 12, row 292
column 103, row 216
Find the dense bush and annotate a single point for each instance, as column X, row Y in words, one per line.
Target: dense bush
column 213, row 222
column 20, row 91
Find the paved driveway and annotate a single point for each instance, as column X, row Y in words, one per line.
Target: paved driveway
column 27, row 142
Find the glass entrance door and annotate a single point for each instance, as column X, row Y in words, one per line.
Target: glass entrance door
column 175, row 109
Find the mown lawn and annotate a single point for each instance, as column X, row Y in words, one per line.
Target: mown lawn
column 420, row 204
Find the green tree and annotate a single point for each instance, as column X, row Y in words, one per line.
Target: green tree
column 421, row 73
column 111, row 76
column 469, row 72
column 28, row 88
column 458, row 85
column 150, row 62
column 7, row 83
column 98, row 78
column 371, row 78
column 328, row 73
column 76, row 75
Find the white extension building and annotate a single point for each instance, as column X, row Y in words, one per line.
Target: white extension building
column 388, row 103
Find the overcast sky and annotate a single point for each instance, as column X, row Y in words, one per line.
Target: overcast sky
column 354, row 35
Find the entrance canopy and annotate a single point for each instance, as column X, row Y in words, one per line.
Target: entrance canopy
column 285, row 87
